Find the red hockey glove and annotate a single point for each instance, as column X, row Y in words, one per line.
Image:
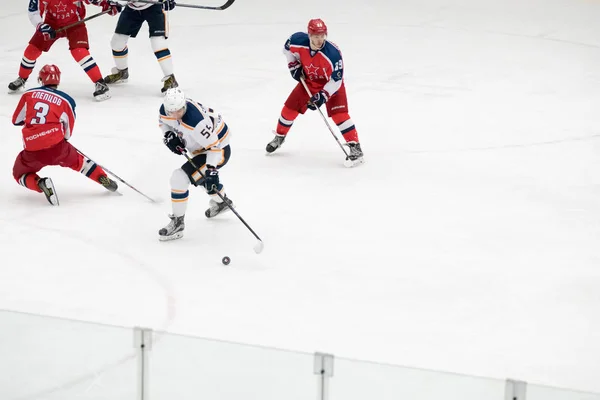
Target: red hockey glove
column 111, row 5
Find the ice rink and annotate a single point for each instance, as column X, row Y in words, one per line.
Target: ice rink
column 468, row 241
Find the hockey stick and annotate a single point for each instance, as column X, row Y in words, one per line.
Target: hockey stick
column 224, row 6
column 324, row 119
column 115, row 175
column 64, row 28
column 260, row 245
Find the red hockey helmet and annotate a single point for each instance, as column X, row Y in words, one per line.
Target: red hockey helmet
column 49, row 75
column 317, row 27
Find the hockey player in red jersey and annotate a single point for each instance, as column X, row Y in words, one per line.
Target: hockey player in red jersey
column 47, row 116
column 48, row 17
column 319, row 61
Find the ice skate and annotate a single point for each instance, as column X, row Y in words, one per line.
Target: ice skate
column 215, row 207
column 17, row 85
column 275, row 143
column 108, row 183
column 117, row 76
column 169, row 83
column 355, row 155
column 102, row 92
column 47, row 187
column 174, row 230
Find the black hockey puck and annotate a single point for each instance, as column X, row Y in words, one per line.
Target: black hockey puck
column 226, row 260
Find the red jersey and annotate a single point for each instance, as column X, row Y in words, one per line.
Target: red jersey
column 58, row 13
column 47, row 116
column 323, row 68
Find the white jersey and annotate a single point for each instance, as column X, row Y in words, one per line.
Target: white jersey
column 138, row 5
column 202, row 130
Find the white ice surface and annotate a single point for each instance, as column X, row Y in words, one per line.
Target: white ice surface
column 468, row 242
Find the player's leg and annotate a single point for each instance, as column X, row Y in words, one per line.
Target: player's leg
column 159, row 31
column 68, row 157
column 295, row 104
column 337, row 109
column 34, row 50
column 25, row 170
column 79, row 47
column 129, row 24
column 180, row 182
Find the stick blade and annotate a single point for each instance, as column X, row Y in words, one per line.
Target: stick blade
column 258, row 247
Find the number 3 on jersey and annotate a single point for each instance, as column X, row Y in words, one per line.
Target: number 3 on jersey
column 42, row 110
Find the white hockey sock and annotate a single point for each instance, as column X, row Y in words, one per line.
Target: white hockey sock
column 179, row 192
column 120, row 50
column 162, row 53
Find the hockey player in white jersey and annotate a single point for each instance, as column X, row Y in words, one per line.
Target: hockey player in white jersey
column 199, row 131
column 129, row 25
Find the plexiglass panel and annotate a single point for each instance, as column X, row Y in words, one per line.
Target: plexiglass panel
column 535, row 392
column 354, row 380
column 186, row 368
column 54, row 359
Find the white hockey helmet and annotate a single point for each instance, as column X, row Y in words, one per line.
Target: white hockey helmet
column 174, row 100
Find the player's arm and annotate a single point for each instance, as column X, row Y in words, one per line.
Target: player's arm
column 20, row 112
column 337, row 74
column 293, row 59
column 34, row 12
column 67, row 119
column 163, row 120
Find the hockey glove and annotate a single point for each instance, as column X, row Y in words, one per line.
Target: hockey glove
column 317, row 100
column 168, row 5
column 174, row 142
column 295, row 70
column 113, row 6
column 47, row 31
column 211, row 179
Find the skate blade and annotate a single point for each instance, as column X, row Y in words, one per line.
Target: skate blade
column 102, row 97
column 175, row 236
column 351, row 164
column 18, row 91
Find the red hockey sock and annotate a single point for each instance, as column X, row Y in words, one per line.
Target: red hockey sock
column 88, row 168
column 286, row 120
column 30, row 181
column 86, row 61
column 30, row 56
column 346, row 126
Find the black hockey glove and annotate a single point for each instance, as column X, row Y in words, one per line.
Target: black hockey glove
column 211, row 180
column 295, row 70
column 47, row 31
column 168, row 5
column 174, row 143
column 317, row 100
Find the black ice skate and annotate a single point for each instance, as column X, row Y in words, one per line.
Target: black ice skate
column 169, row 83
column 17, row 84
column 275, row 143
column 174, row 230
column 102, row 92
column 355, row 155
column 47, row 187
column 108, row 183
column 215, row 207
column 117, row 76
